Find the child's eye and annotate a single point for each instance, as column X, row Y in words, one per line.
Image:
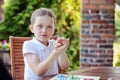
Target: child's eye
column 40, row 26
column 49, row 26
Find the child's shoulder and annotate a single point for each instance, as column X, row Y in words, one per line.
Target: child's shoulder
column 28, row 41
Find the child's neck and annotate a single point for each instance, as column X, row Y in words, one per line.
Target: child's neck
column 45, row 43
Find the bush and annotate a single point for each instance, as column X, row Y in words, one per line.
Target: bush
column 116, row 59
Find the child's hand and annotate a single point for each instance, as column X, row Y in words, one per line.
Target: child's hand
column 61, row 44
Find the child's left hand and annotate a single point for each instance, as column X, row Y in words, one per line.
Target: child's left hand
column 61, row 44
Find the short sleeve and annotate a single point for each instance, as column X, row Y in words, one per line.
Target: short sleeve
column 28, row 47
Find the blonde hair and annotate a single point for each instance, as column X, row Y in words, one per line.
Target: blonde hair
column 42, row 12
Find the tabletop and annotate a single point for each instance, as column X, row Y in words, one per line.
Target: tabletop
column 105, row 73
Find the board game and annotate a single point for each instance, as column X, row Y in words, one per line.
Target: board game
column 74, row 77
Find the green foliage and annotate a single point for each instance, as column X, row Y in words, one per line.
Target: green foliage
column 117, row 24
column 118, row 2
column 116, row 59
column 17, row 20
column 116, row 44
column 4, row 45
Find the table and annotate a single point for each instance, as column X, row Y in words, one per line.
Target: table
column 47, row 77
column 103, row 72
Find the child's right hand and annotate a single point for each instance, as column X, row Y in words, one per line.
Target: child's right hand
column 61, row 44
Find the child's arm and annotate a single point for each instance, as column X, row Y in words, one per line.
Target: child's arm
column 63, row 60
column 40, row 68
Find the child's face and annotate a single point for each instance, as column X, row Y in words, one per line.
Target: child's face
column 43, row 28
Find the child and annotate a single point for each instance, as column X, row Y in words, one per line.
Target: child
column 42, row 55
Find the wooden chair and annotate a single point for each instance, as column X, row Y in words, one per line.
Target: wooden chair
column 16, row 56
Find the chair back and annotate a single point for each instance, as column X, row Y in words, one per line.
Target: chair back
column 16, row 56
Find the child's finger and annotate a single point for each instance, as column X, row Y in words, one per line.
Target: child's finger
column 58, row 39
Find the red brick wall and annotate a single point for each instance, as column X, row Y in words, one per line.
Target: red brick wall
column 97, row 33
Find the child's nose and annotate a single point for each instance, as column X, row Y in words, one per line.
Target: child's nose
column 44, row 29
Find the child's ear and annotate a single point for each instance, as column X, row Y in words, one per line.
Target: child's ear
column 31, row 28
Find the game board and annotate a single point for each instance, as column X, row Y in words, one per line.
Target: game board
column 74, row 77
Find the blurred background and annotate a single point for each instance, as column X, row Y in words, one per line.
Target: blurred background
column 17, row 19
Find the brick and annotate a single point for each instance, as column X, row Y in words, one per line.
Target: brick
column 110, row 41
column 96, row 16
column 92, row 51
column 109, row 31
column 96, row 7
column 107, row 64
column 104, row 11
column 86, row 26
column 104, row 55
column 84, row 41
column 96, row 36
column 89, row 46
column 86, row 16
column 107, row 7
column 99, row 21
column 102, row 31
column 108, row 36
column 94, row 65
column 85, row 11
column 96, row 31
column 109, row 51
column 103, row 26
column 106, row 46
column 89, row 55
column 101, row 41
column 99, row 2
column 99, row 7
column 108, row 16
column 85, row 32
column 87, row 41
column 84, row 50
column 85, row 64
column 85, row 21
column 85, row 2
column 100, row 60
column 98, row 51
column 111, row 1
column 109, row 60
column 110, row 21
column 107, row 26
column 95, row 11
column 85, row 36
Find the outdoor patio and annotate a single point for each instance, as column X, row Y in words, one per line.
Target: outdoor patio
column 96, row 32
